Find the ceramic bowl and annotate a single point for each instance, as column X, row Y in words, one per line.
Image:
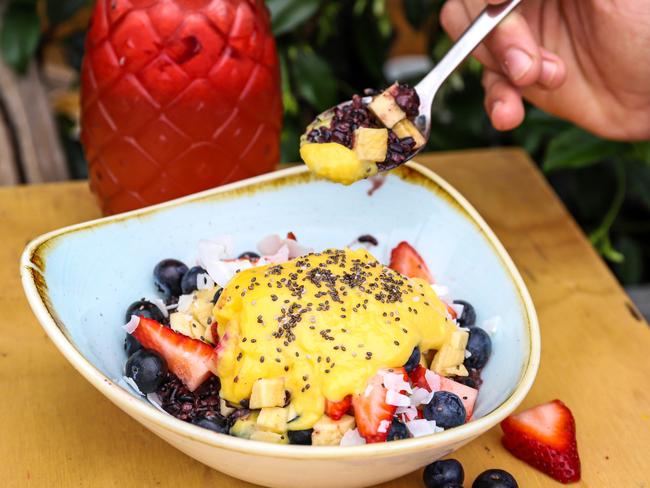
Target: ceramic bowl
column 80, row 279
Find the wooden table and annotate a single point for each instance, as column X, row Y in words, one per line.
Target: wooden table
column 57, row 431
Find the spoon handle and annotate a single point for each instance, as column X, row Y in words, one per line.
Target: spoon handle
column 488, row 19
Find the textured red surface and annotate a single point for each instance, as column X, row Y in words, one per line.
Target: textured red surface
column 178, row 96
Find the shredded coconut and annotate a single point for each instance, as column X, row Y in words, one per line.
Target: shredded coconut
column 397, row 399
column 132, row 324
column 394, row 381
column 184, row 303
column 421, row 396
column 352, row 438
column 432, row 379
column 204, row 282
column 440, row 290
column 384, row 425
column 161, row 305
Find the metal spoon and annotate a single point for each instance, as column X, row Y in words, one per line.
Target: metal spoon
column 487, row 20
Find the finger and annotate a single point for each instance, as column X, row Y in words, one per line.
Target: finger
column 455, row 17
column 503, row 102
column 512, row 44
column 553, row 72
column 496, row 2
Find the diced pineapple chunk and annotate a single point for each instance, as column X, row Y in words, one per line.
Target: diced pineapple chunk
column 224, row 408
column 371, row 144
column 273, row 419
column 268, row 392
column 449, row 359
column 328, row 432
column 406, row 128
column 244, row 426
column 386, row 109
column 181, row 323
column 272, row 437
column 336, row 162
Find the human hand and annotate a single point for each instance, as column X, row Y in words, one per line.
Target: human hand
column 587, row 61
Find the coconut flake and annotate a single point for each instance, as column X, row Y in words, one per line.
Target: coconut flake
column 468, row 353
column 421, row 396
column 352, row 438
column 270, row 244
column 492, row 324
column 384, row 425
column 217, row 248
column 132, row 384
column 155, row 400
column 161, row 306
column 410, row 413
column 432, row 379
column 394, row 381
column 397, row 399
column 132, row 324
column 204, row 282
column 184, row 303
column 433, row 425
column 280, row 256
column 420, row 427
column 440, row 290
column 222, row 272
column 368, row 390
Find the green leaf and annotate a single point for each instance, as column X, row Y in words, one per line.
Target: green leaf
column 630, row 270
column 21, row 31
column 575, row 148
column 286, row 15
column 313, row 79
column 642, row 151
column 418, row 11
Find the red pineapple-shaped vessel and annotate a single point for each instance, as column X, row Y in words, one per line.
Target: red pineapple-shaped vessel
column 178, row 96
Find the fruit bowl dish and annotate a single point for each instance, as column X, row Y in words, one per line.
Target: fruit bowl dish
column 221, row 363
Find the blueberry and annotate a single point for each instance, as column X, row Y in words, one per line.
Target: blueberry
column 189, row 280
column 216, row 296
column 448, row 473
column 300, row 437
column 479, row 345
column 146, row 309
column 215, row 423
column 397, row 431
column 249, row 255
column 167, row 275
column 446, row 409
column 468, row 317
column 147, row 368
column 495, row 478
column 131, row 345
column 413, row 361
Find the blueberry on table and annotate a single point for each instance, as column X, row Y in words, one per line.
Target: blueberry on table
column 397, row 431
column 468, row 317
column 167, row 276
column 479, row 345
column 189, row 282
column 495, row 478
column 131, row 345
column 446, row 409
column 300, row 437
column 146, row 309
column 147, row 368
column 447, row 473
column 214, row 423
column 249, row 255
column 413, row 361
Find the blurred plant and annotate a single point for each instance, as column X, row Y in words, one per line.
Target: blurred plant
column 331, row 49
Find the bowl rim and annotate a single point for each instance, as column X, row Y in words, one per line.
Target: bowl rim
column 148, row 414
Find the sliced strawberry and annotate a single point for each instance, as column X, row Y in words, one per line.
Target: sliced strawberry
column 371, row 413
column 336, row 410
column 545, row 437
column 406, row 260
column 189, row 359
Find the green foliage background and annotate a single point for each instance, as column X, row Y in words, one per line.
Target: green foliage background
column 331, row 49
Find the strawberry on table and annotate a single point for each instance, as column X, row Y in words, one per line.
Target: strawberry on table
column 406, row 260
column 336, row 410
column 372, row 414
column 189, row 359
column 545, row 437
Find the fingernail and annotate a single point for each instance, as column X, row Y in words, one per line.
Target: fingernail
column 549, row 70
column 495, row 107
column 517, row 63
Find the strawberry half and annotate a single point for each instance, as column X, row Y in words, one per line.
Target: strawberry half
column 406, row 260
column 371, row 411
column 336, row 410
column 545, row 437
column 189, row 359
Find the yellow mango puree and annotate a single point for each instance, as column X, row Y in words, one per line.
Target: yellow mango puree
column 336, row 162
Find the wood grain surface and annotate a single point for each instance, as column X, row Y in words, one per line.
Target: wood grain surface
column 57, row 431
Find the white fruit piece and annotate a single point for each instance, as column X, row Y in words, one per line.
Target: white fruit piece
column 181, row 322
column 371, row 144
column 449, row 359
column 273, row 419
column 272, row 437
column 386, row 109
column 224, row 408
column 406, row 128
column 267, row 392
column 328, row 432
